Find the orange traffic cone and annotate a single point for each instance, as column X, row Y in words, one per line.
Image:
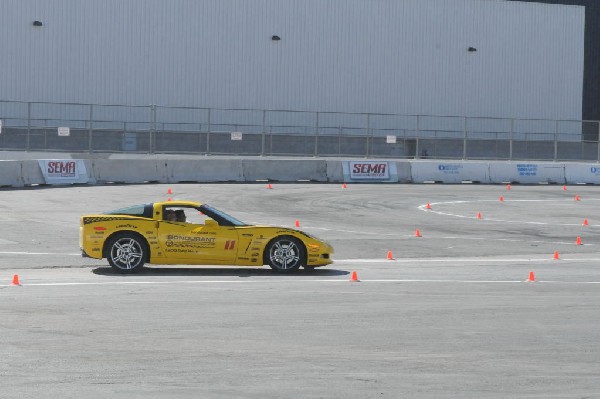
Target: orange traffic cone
column 577, row 198
column 578, row 241
column 501, row 199
column 531, row 277
column 428, row 206
column 269, row 186
column 169, row 191
column 354, row 278
column 169, row 199
column 585, row 222
column 418, row 233
column 344, row 185
column 297, row 224
column 556, row 255
column 16, row 280
column 390, row 256
column 564, row 188
column 508, row 186
column 478, row 215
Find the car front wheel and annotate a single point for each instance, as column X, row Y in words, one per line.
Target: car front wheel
column 285, row 254
column 127, row 253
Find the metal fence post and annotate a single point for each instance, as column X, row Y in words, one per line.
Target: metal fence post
column 199, row 135
column 555, row 140
column 416, row 155
column 28, row 123
column 510, row 141
column 91, row 130
column 369, row 136
column 465, row 139
column 45, row 134
column 264, row 119
column 317, row 137
column 208, row 134
column 152, row 128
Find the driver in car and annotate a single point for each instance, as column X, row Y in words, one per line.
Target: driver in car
column 180, row 216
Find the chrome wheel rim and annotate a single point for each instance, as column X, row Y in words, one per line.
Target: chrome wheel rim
column 126, row 253
column 284, row 254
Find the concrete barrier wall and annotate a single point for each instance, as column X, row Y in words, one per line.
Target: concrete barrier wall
column 285, row 170
column 527, row 172
column 31, row 173
column 582, row 173
column 335, row 172
column 129, row 171
column 404, row 170
column 449, row 172
column 10, row 174
column 204, row 170
column 27, row 172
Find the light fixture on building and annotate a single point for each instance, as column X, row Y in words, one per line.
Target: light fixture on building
column 37, row 23
column 471, row 49
column 275, row 38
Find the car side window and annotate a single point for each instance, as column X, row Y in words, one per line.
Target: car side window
column 184, row 215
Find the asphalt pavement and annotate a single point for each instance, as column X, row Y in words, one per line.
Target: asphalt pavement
column 450, row 315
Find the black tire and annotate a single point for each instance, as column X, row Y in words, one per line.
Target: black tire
column 127, row 252
column 285, row 254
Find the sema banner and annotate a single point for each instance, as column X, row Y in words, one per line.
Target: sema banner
column 370, row 171
column 63, row 171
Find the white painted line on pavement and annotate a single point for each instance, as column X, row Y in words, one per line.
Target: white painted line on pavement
column 433, row 210
column 336, row 281
column 376, row 236
column 36, row 253
column 464, row 260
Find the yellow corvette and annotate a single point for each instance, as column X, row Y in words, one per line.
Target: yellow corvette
column 191, row 233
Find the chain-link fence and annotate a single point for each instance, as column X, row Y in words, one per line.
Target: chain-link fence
column 34, row 126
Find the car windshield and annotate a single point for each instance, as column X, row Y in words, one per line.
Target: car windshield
column 221, row 217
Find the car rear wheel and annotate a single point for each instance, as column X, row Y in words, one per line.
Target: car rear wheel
column 285, row 254
column 127, row 253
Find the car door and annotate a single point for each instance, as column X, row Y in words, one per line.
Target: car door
column 223, row 243
column 177, row 241
column 200, row 244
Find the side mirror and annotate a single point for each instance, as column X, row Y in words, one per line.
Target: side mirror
column 212, row 224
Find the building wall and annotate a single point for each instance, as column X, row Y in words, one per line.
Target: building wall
column 384, row 56
column 591, row 77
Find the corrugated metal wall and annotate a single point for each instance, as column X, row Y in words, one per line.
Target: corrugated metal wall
column 591, row 68
column 385, row 56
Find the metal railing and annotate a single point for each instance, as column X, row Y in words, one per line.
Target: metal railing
column 33, row 126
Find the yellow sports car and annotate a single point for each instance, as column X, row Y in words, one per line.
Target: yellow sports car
column 191, row 233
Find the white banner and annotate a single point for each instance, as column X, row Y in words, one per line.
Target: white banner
column 236, row 136
column 370, row 171
column 63, row 171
